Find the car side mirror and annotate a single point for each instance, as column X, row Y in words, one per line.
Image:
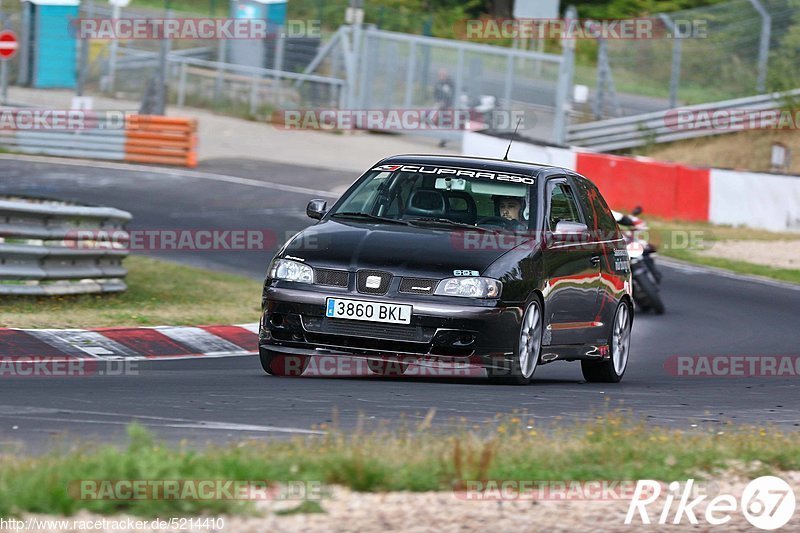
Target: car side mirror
column 316, row 209
column 573, row 231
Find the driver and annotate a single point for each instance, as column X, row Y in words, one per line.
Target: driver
column 510, row 208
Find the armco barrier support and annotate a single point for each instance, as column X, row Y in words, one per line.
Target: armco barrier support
column 51, row 248
column 142, row 139
column 677, row 192
column 161, row 140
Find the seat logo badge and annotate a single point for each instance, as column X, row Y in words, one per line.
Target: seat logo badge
column 373, row 282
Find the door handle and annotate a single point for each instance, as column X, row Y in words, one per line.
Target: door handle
column 595, row 260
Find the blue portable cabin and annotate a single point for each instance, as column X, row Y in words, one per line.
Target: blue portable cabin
column 250, row 52
column 48, row 51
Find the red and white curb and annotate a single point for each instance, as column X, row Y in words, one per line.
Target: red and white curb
column 162, row 342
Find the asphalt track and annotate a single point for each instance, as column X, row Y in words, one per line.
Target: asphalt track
column 215, row 400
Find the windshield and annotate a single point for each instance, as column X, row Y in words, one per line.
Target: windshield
column 457, row 197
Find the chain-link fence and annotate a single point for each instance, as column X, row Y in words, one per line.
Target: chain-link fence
column 728, row 50
column 402, row 71
column 355, row 67
column 204, row 72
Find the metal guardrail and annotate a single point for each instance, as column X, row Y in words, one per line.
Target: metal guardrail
column 50, row 248
column 664, row 126
column 96, row 135
column 109, row 135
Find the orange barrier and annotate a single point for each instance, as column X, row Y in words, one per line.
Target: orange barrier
column 161, row 140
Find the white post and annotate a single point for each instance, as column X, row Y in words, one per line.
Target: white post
column 116, row 12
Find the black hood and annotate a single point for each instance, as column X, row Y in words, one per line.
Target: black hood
column 402, row 250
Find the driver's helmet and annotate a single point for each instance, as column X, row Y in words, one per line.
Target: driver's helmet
column 497, row 198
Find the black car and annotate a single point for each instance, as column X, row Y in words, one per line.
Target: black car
column 500, row 263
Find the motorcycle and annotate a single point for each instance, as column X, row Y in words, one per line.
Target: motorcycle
column 645, row 273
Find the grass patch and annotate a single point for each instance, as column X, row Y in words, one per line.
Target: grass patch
column 159, row 293
column 610, row 447
column 740, row 267
column 746, row 150
column 661, row 230
column 685, row 241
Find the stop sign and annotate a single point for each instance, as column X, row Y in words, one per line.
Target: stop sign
column 8, row 44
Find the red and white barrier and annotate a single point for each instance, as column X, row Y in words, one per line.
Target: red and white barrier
column 668, row 190
column 164, row 342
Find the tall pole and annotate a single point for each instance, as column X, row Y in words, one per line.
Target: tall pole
column 763, row 46
column 112, row 50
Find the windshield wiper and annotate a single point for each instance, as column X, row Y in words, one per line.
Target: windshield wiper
column 448, row 222
column 369, row 217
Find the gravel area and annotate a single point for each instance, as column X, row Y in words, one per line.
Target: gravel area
column 777, row 253
column 348, row 511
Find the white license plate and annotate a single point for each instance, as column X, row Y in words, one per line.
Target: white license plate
column 371, row 311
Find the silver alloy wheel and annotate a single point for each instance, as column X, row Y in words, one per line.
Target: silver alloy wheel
column 530, row 340
column 621, row 339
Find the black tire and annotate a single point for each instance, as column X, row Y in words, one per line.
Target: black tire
column 652, row 294
column 387, row 367
column 514, row 375
column 279, row 364
column 605, row 371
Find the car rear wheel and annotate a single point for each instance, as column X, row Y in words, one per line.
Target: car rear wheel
column 387, row 367
column 529, row 348
column 611, row 370
column 279, row 364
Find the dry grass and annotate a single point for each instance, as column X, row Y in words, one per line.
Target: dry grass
column 705, row 244
column 410, row 458
column 748, row 150
column 159, row 293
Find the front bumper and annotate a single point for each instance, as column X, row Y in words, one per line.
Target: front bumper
column 293, row 321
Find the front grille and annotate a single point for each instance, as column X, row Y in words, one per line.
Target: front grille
column 418, row 285
column 327, row 276
column 349, row 328
column 383, row 285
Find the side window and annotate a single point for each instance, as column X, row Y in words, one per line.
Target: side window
column 606, row 220
column 586, row 194
column 563, row 205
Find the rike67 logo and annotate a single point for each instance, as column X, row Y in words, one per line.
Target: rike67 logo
column 767, row 502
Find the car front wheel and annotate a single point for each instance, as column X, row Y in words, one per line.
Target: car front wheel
column 529, row 348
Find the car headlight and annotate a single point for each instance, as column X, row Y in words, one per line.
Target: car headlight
column 289, row 270
column 469, row 287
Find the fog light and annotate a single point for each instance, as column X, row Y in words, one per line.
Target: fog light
column 458, row 339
